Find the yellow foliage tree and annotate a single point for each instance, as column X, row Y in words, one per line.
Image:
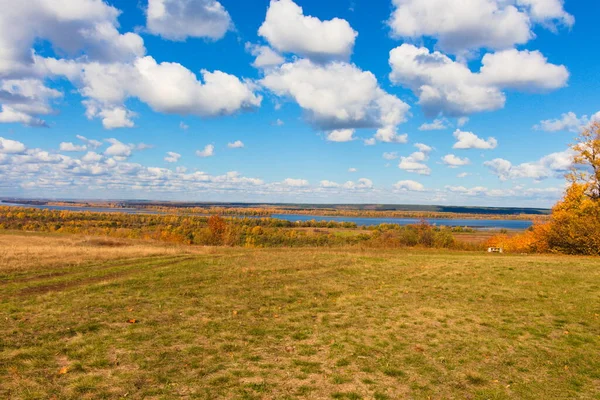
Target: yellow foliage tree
column 574, row 227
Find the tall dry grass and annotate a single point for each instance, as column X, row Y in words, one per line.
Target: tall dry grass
column 22, row 251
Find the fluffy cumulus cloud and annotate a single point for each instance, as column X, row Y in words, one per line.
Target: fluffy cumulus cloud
column 469, row 140
column 106, row 66
column 94, row 144
column 435, row 125
column 409, row 186
column 208, row 151
column 362, row 184
column 567, row 122
column 415, row 162
column 172, row 157
column 552, row 165
column 449, row 87
column 25, row 100
column 338, row 95
column 166, row 87
column 238, row 144
column 112, row 117
column 329, row 184
column 118, row 150
column 266, row 57
column 454, row 161
column 293, row 182
column 462, row 26
column 8, row 146
column 288, row 30
column 340, row 135
column 180, row 19
column 70, row 146
column 389, row 134
column 88, row 26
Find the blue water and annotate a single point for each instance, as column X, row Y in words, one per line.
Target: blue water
column 89, row 209
column 360, row 221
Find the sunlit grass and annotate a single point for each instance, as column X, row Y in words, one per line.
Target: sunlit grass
column 293, row 323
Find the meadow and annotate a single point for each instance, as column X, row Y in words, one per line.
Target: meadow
column 90, row 317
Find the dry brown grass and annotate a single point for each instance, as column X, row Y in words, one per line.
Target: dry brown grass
column 26, row 251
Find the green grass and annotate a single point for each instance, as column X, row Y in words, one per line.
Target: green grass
column 306, row 323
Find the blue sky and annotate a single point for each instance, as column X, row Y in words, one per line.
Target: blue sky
column 387, row 101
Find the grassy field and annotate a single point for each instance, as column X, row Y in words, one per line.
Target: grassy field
column 91, row 318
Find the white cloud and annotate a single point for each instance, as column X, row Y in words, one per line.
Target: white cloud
column 112, row 117
column 352, row 169
column 436, row 125
column 522, row 70
column 474, row 191
column 208, row 151
column 69, row 146
column 462, row 121
column 9, row 115
column 90, row 142
column 370, row 142
column 238, row 144
column 91, row 157
column 423, row 147
column 166, row 87
column 288, row 30
column 278, row 122
column 548, row 12
column 552, row 165
column 390, row 155
column 415, row 163
column 360, row 184
column 172, row 157
column 340, row 135
column 88, row 26
column 295, row 182
column 183, row 126
column 518, row 192
column 410, row 186
column 469, row 140
column 454, row 161
column 567, row 122
column 8, row 146
column 109, row 67
column 337, row 95
column 389, row 134
column 24, row 100
column 462, row 26
column 118, row 149
column 180, row 19
column 329, row 184
column 448, row 87
column 265, row 56
column 463, row 175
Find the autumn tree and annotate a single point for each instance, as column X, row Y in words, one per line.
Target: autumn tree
column 575, row 224
column 217, row 227
column 586, row 165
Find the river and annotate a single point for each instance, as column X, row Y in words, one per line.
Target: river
column 360, row 221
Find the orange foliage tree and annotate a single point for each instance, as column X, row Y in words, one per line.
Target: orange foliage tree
column 574, row 226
